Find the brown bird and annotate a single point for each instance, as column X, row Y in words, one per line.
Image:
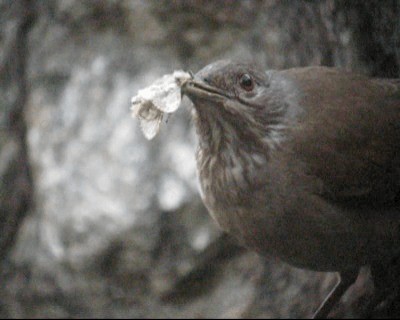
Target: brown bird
column 302, row 164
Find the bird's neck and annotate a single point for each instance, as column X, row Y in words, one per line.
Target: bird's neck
column 229, row 165
column 241, row 134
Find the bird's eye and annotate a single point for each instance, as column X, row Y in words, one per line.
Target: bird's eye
column 246, row 82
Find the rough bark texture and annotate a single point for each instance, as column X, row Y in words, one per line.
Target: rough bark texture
column 116, row 228
column 16, row 20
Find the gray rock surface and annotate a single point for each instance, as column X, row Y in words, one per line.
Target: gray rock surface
column 117, row 228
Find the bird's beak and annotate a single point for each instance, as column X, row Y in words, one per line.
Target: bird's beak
column 196, row 89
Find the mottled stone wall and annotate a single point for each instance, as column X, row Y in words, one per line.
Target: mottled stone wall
column 116, row 228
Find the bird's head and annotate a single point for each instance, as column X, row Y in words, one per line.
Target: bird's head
column 238, row 103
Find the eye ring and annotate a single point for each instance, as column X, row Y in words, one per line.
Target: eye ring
column 246, row 82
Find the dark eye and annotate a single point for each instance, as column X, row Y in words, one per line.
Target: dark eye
column 246, row 82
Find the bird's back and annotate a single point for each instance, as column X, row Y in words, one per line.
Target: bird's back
column 337, row 176
column 349, row 135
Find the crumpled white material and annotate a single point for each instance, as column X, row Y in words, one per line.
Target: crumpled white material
column 151, row 103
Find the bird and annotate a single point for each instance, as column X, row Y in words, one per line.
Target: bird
column 302, row 164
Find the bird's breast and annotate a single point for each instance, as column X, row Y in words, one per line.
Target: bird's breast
column 302, row 230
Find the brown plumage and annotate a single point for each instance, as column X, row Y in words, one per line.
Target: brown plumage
column 301, row 164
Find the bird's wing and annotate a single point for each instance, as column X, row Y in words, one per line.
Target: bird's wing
column 349, row 135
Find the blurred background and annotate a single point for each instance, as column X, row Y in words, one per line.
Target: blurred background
column 96, row 221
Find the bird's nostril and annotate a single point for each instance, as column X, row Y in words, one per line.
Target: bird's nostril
column 207, row 80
